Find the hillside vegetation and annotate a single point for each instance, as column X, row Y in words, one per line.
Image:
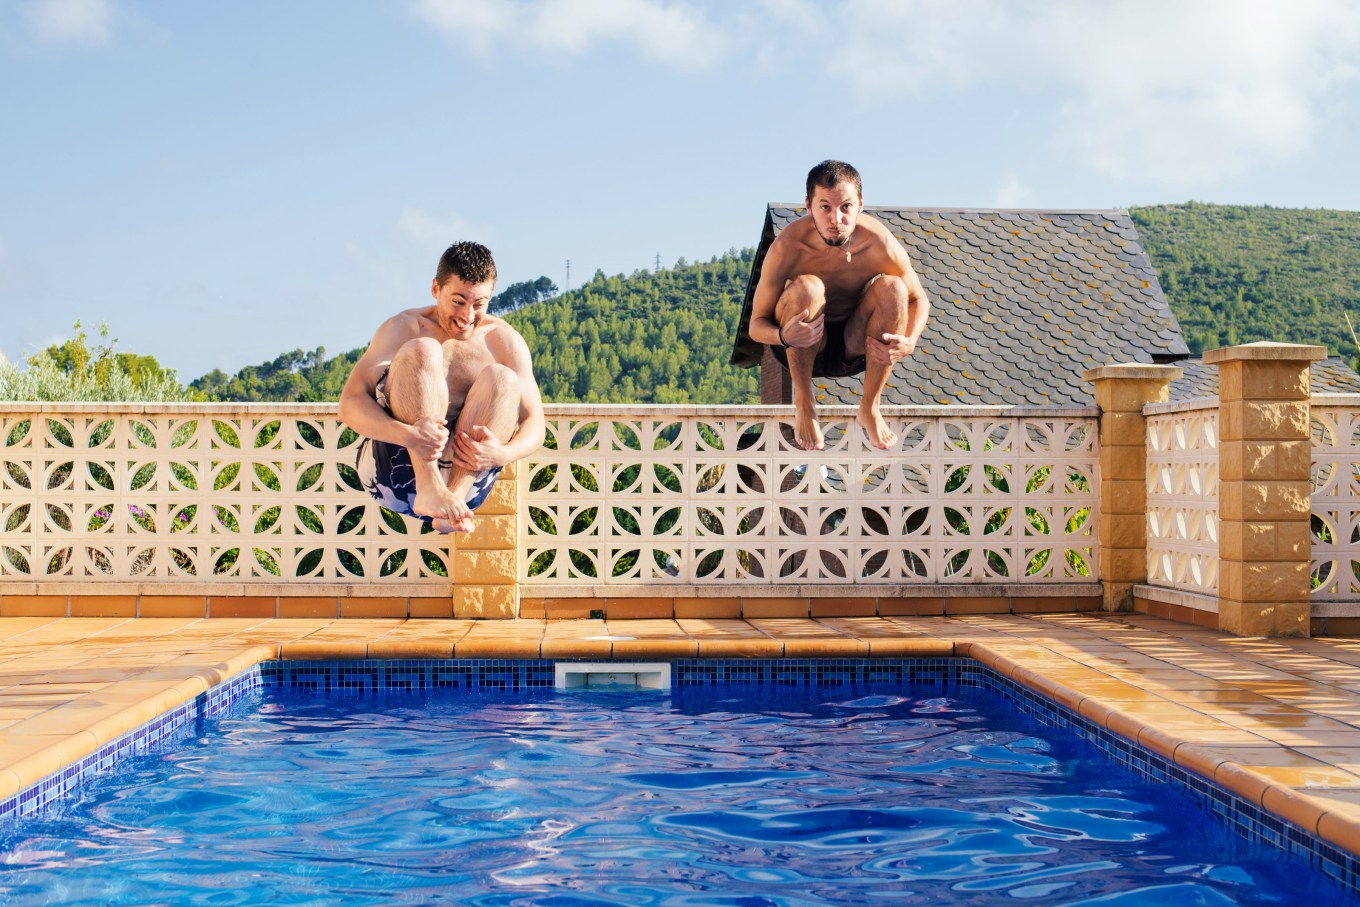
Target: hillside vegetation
column 652, row 337
column 1236, row 274
column 1232, row 274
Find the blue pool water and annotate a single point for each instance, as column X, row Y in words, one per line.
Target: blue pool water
column 703, row 796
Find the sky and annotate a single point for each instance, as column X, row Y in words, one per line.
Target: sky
column 221, row 183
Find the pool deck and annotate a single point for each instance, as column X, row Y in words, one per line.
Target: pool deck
column 1276, row 721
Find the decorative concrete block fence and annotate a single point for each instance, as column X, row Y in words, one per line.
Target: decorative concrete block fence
column 1237, row 512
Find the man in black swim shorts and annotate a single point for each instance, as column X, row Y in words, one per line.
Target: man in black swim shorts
column 445, row 397
column 838, row 295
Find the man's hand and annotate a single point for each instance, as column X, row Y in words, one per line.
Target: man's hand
column 804, row 331
column 890, row 349
column 478, row 449
column 428, row 439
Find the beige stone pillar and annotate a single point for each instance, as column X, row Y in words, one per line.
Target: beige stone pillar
column 1264, row 493
column 1120, row 392
column 485, row 569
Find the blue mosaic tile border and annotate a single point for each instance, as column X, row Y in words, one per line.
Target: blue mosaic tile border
column 410, row 675
column 373, row 676
column 365, row 677
column 173, row 725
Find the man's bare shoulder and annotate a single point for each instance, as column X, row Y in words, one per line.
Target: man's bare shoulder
column 501, row 334
column 883, row 246
column 413, row 321
column 398, row 329
column 795, row 234
column 792, row 246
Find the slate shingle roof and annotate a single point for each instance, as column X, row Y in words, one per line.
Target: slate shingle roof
column 1199, row 379
column 1022, row 302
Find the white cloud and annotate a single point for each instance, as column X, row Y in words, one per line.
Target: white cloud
column 1014, row 194
column 1160, row 90
column 438, row 232
column 479, row 23
column 1195, row 92
column 676, row 34
column 88, row 22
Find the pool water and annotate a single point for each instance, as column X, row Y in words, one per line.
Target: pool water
column 701, row 796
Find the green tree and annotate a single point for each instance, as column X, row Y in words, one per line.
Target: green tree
column 78, row 370
column 518, row 295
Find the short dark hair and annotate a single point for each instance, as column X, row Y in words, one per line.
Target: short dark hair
column 830, row 174
column 469, row 260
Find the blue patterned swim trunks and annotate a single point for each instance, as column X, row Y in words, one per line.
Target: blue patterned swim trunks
column 386, row 472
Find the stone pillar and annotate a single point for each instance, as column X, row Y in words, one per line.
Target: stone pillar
column 1264, row 493
column 485, row 569
column 1120, row 392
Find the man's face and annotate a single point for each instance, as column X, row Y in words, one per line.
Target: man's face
column 834, row 212
column 461, row 305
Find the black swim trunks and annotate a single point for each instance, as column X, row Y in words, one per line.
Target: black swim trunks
column 386, row 472
column 832, row 361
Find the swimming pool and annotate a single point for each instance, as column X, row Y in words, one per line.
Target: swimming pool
column 752, row 782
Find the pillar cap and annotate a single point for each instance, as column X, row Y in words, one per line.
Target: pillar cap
column 1133, row 371
column 1266, row 351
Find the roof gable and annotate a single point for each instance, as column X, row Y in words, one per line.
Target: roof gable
column 1022, row 302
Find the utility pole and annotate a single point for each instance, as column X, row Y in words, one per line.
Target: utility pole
column 568, row 286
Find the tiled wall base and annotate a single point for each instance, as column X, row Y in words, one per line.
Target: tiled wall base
column 762, row 607
column 493, row 607
column 259, row 606
column 358, row 677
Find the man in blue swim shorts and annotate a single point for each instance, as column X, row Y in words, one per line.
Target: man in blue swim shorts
column 444, row 397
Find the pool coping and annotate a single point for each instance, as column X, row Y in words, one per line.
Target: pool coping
column 50, row 742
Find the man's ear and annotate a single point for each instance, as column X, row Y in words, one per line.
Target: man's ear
column 434, row 288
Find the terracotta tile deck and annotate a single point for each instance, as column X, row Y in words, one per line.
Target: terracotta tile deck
column 1275, row 721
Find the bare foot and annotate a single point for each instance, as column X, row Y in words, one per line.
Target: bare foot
column 463, row 525
column 876, row 429
column 806, row 431
column 439, row 503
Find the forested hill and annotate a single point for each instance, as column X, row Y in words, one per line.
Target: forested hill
column 1236, row 274
column 1232, row 274
column 653, row 337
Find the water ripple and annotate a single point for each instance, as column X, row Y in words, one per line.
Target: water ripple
column 863, row 798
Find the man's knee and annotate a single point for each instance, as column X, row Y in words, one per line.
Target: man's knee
column 418, row 355
column 499, row 380
column 888, row 294
column 806, row 291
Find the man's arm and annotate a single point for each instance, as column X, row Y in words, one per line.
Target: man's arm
column 764, row 327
